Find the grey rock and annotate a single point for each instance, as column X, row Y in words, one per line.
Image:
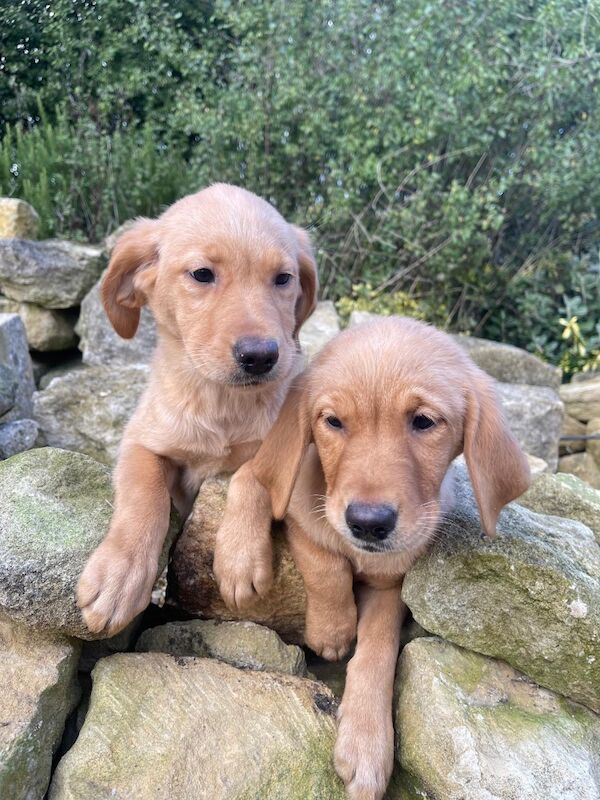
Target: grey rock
column 39, row 689
column 55, row 508
column 471, row 728
column 241, row 644
column 534, row 414
column 51, row 274
column 87, row 410
column 18, row 220
column 183, row 728
column 17, row 436
column 14, row 353
column 99, row 342
column 565, row 496
column 47, row 330
column 8, row 388
column 65, row 368
column 571, row 427
column 319, row 328
column 582, row 399
column 509, row 364
column 531, row 596
column 583, row 466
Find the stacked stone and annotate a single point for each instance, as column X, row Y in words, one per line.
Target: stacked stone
column 43, row 281
column 580, row 449
column 18, row 430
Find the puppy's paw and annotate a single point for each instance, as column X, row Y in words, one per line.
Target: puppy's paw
column 330, row 630
column 114, row 587
column 244, row 576
column 364, row 752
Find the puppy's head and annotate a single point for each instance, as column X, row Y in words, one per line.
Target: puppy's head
column 225, row 275
column 389, row 405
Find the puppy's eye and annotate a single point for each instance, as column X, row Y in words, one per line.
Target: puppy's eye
column 282, row 279
column 334, row 422
column 421, row 422
column 203, row 275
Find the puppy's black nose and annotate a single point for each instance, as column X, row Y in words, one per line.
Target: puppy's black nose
column 371, row 521
column 256, row 356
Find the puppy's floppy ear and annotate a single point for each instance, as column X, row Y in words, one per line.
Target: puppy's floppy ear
column 130, row 276
column 309, row 281
column 277, row 462
column 498, row 468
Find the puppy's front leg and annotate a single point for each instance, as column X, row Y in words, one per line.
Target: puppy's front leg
column 243, row 562
column 364, row 750
column 117, row 580
column 330, row 626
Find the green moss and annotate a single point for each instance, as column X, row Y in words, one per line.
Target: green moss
column 306, row 773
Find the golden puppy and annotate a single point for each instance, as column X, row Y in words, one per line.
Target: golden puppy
column 229, row 282
column 358, row 463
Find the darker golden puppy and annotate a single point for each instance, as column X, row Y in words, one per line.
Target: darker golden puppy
column 229, row 282
column 358, row 463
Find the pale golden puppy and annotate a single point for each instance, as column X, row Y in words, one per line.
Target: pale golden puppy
column 229, row 282
column 358, row 463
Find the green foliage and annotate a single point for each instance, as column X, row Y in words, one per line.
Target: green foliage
column 365, row 298
column 554, row 311
column 84, row 182
column 444, row 151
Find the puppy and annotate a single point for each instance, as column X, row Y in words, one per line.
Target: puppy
column 229, row 282
column 358, row 463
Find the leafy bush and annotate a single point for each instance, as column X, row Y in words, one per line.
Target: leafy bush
column 83, row 182
column 445, row 151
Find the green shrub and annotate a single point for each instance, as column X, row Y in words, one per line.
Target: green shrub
column 444, row 151
column 83, row 182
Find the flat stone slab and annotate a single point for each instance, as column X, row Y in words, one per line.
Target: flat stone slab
column 47, row 330
column 38, row 676
column 242, row 644
column 52, row 274
column 471, row 728
column 198, row 729
column 582, row 399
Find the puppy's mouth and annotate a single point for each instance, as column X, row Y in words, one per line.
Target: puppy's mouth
column 370, row 547
column 245, row 381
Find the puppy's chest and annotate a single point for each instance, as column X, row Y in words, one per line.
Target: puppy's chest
column 220, row 441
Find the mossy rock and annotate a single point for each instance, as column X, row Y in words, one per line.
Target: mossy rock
column 55, row 508
column 39, row 689
column 531, row 596
column 194, row 729
column 469, row 727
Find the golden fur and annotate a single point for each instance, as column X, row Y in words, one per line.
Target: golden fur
column 376, row 379
column 199, row 414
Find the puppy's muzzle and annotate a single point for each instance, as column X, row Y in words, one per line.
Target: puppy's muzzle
column 256, row 356
column 371, row 522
